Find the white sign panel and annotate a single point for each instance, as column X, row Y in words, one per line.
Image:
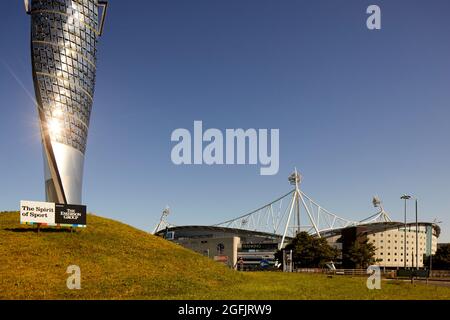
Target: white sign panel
column 32, row 212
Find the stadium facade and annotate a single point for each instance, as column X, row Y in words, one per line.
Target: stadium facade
column 64, row 36
column 237, row 248
column 234, row 246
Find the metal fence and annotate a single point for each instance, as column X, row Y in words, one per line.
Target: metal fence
column 344, row 272
column 441, row 274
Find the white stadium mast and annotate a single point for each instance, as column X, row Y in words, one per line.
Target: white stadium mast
column 278, row 217
column 162, row 221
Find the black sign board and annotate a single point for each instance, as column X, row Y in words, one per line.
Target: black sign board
column 70, row 214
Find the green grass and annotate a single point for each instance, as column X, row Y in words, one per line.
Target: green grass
column 121, row 262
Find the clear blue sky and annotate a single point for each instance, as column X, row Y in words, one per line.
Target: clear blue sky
column 360, row 112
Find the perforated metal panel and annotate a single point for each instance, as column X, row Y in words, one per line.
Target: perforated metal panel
column 64, row 53
column 63, row 49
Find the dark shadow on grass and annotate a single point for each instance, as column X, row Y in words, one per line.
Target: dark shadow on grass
column 43, row 230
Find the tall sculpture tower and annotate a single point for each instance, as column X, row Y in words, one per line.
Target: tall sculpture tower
column 64, row 35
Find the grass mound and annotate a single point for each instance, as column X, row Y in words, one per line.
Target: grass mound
column 120, row 262
column 116, row 261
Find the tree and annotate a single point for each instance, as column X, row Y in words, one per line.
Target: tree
column 441, row 259
column 360, row 254
column 309, row 251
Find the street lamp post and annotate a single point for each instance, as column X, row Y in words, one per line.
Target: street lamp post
column 417, row 240
column 431, row 262
column 405, row 197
